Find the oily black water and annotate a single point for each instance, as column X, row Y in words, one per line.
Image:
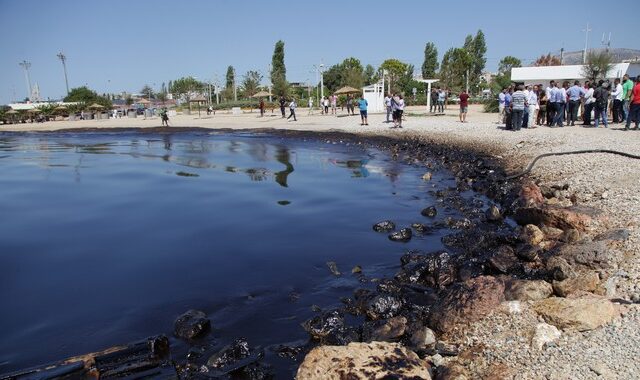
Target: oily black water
column 106, row 238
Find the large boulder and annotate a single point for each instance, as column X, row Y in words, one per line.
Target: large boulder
column 525, row 290
column 467, row 302
column 389, row 330
column 376, row 360
column 587, row 255
column 583, row 282
column 191, row 324
column 581, row 314
column 565, row 218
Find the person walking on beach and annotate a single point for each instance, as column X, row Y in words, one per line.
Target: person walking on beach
column 518, row 104
column 575, row 93
column 601, row 95
column 589, row 102
column 283, row 102
column 627, row 89
column 325, row 104
column 334, row 104
column 292, row 109
column 164, row 116
column 441, row 98
column 434, row 101
column 399, row 110
column 634, row 107
column 350, row 107
column 551, row 102
column 532, row 100
column 464, row 106
column 618, row 97
column 501, row 105
column 362, row 105
column 387, row 106
column 310, row 105
column 261, row 105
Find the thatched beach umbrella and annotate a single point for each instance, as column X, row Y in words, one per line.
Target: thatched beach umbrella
column 11, row 112
column 197, row 99
column 261, row 94
column 348, row 90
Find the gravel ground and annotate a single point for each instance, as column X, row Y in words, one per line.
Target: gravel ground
column 608, row 182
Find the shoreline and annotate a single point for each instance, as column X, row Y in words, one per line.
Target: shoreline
column 510, row 154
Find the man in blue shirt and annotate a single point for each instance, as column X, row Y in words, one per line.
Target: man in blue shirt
column 575, row 92
column 362, row 104
column 507, row 109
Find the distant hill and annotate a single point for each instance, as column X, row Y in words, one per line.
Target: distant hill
column 619, row 55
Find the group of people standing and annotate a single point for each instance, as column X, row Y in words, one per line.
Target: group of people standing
column 560, row 104
column 439, row 98
column 394, row 104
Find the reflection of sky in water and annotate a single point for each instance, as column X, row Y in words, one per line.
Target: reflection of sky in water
column 105, row 238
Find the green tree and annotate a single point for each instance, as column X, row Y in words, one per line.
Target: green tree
column 547, row 60
column 251, row 82
column 147, row 92
column 230, row 82
column 87, row 97
column 183, row 87
column 598, row 66
column 479, row 60
column 352, row 73
column 332, row 78
column 370, row 75
column 456, row 63
column 507, row 63
column 430, row 64
column 278, row 70
column 395, row 69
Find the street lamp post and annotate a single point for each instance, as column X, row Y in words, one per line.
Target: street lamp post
column 26, row 65
column 63, row 59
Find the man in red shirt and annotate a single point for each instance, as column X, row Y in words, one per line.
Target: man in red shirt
column 634, row 109
column 464, row 105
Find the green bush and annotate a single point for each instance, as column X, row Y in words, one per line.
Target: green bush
column 491, row 105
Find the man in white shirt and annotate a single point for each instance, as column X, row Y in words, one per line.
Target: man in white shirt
column 589, row 102
column 532, row 100
column 551, row 102
column 618, row 96
column 501, row 105
column 387, row 104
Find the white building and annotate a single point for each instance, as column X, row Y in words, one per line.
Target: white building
column 544, row 74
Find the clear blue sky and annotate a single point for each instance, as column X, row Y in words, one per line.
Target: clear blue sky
column 120, row 45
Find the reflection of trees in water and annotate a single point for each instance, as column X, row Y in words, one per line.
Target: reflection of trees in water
column 283, row 156
column 357, row 167
column 257, row 174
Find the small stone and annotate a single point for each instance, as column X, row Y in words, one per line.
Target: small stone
column 447, row 349
column 552, row 232
column 333, row 267
column 531, row 234
column 528, row 252
column 422, row 337
column 493, row 214
column 191, row 324
column 437, row 360
column 384, row 226
column 390, row 330
column 604, row 195
column 403, row 235
column 356, row 269
column 571, row 236
column 429, row 212
column 559, row 268
column 544, row 333
column 427, row 176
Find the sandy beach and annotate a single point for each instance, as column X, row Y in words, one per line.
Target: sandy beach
column 607, row 182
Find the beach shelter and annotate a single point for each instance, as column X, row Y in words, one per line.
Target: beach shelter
column 197, row 99
column 261, row 94
column 12, row 112
column 97, row 107
column 347, row 90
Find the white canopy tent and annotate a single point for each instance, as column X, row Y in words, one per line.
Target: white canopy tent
column 544, row 74
column 428, row 82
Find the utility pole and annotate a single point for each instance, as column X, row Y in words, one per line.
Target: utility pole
column 235, row 93
column 586, row 43
column 63, row 59
column 322, row 80
column 26, row 65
